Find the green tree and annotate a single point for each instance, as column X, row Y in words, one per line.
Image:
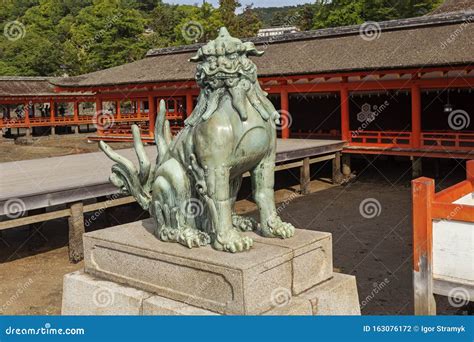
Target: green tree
column 104, row 35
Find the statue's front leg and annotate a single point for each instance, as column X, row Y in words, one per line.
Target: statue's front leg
column 263, row 181
column 225, row 238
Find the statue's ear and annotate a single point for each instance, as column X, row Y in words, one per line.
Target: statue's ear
column 251, row 50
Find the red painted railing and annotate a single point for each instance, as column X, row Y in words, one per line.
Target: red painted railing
column 380, row 139
column 448, row 140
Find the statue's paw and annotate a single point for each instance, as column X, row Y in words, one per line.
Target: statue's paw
column 193, row 238
column 243, row 223
column 231, row 241
column 275, row 227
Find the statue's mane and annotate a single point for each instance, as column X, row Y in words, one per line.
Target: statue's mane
column 243, row 89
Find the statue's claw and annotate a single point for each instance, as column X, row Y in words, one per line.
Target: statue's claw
column 188, row 237
column 275, row 227
column 243, row 223
column 231, row 241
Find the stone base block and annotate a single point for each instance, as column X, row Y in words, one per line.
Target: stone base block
column 88, row 295
column 242, row 283
column 337, row 296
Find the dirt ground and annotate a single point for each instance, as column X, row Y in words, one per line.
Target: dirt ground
column 376, row 248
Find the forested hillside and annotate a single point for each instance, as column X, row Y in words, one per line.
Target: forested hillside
column 57, row 37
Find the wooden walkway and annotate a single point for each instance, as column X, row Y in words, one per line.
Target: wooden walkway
column 70, row 180
column 46, row 182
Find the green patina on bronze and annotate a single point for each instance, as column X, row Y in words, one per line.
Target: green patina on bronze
column 192, row 188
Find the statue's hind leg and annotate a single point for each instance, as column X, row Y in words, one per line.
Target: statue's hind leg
column 174, row 209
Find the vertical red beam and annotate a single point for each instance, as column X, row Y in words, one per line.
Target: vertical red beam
column 345, row 128
column 415, row 116
column 118, row 109
column 76, row 111
column 139, row 107
column 189, row 104
column 151, row 114
column 98, row 114
column 51, row 111
column 26, row 113
column 470, row 170
column 423, row 192
column 284, row 114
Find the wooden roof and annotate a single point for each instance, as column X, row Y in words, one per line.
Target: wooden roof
column 28, row 86
column 408, row 43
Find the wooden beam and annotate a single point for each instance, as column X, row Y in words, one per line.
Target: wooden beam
column 345, row 119
column 285, row 114
column 422, row 199
column 416, row 116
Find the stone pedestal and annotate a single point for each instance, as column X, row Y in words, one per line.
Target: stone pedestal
column 128, row 271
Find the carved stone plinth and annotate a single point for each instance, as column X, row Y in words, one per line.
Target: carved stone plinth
column 129, row 271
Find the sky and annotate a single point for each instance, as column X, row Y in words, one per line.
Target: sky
column 256, row 3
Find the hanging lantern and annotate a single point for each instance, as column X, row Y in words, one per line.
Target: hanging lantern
column 448, row 107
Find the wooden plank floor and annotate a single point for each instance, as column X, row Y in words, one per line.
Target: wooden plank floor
column 58, row 180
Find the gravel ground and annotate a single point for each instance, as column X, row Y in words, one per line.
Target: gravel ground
column 374, row 245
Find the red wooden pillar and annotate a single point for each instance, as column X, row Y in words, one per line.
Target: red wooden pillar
column 284, row 114
column 51, row 111
column 76, row 111
column 151, row 114
column 345, row 128
column 26, row 113
column 118, row 109
column 98, row 114
column 415, row 116
column 139, row 108
column 470, row 170
column 422, row 198
column 189, row 104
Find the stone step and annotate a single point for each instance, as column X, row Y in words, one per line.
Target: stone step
column 242, row 283
column 89, row 295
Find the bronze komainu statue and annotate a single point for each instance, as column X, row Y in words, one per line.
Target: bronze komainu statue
column 191, row 190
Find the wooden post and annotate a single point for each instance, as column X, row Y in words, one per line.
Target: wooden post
column 336, row 169
column 98, row 114
column 284, row 114
column 470, row 170
column 189, row 104
column 305, row 177
column 52, row 116
column 118, row 109
column 76, row 230
column 76, row 117
column 139, row 108
column 151, row 114
column 345, row 128
column 422, row 198
column 415, row 116
column 416, row 167
column 346, row 164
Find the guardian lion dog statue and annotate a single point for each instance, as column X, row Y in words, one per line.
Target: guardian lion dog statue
column 191, row 190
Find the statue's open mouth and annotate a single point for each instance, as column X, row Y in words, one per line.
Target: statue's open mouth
column 225, row 76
